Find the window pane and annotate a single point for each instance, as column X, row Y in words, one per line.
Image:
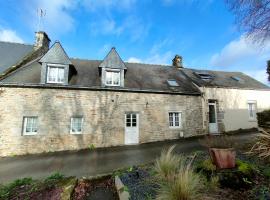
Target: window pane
column 76, row 124
column 116, row 78
column 30, row 124
column 134, row 124
column 109, row 78
column 171, row 119
column 212, row 114
column 128, row 124
column 61, row 72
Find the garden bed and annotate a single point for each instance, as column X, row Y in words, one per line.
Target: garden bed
column 101, row 188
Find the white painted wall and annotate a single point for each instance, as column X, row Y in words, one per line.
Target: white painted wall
column 234, row 104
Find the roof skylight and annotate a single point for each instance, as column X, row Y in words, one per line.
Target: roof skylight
column 204, row 76
column 172, row 83
column 236, row 78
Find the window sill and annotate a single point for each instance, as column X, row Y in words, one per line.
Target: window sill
column 29, row 134
column 175, row 127
column 76, row 133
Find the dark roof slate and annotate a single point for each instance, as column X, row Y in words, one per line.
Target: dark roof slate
column 138, row 77
column 12, row 53
column 56, row 55
column 224, row 79
column 113, row 60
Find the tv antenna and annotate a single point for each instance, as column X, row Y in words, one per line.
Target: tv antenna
column 41, row 14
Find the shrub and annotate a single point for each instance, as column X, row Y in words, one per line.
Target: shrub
column 264, row 118
column 167, row 164
column 206, row 167
column 222, row 141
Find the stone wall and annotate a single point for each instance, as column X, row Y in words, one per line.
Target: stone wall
column 104, row 118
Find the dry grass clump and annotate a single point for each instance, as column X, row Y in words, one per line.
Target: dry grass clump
column 177, row 179
column 262, row 145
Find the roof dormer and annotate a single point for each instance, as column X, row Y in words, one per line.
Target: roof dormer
column 55, row 66
column 112, row 70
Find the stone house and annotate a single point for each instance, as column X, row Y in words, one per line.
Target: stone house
column 51, row 102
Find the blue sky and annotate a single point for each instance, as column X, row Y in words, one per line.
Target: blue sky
column 149, row 31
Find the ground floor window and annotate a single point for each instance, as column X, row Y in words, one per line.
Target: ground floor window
column 252, row 110
column 175, row 119
column 76, row 125
column 30, row 125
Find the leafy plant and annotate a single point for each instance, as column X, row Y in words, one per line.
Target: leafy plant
column 91, row 147
column 167, row 164
column 221, row 142
column 6, row 190
column 245, row 168
column 52, row 179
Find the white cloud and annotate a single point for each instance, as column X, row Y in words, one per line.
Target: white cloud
column 131, row 26
column 134, row 60
column 160, row 59
column 9, row 36
column 57, row 19
column 243, row 55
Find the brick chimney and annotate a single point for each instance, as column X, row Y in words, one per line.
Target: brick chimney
column 177, row 61
column 42, row 40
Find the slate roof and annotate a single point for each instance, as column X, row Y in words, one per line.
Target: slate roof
column 224, row 79
column 56, row 55
column 139, row 77
column 113, row 60
column 12, row 53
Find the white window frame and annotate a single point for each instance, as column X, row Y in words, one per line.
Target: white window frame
column 114, row 72
column 49, row 66
column 71, row 125
column 25, row 122
column 172, row 123
column 253, row 110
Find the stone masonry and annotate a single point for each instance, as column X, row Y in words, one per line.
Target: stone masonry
column 103, row 113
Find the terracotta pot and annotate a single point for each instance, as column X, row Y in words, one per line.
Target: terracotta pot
column 223, row 158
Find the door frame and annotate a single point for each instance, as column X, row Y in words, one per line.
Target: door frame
column 137, row 127
column 215, row 106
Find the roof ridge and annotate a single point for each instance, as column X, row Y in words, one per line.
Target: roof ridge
column 213, row 70
column 164, row 65
column 25, row 44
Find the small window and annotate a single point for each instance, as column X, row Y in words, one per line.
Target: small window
column 55, row 74
column 175, row 119
column 172, row 83
column 252, row 110
column 76, row 125
column 131, row 120
column 205, row 76
column 30, row 125
column 113, row 78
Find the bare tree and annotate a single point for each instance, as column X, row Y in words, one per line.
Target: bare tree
column 253, row 17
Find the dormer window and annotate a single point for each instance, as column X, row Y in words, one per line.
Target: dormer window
column 55, row 74
column 112, row 78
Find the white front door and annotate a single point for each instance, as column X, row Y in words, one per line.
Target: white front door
column 213, row 126
column 132, row 128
